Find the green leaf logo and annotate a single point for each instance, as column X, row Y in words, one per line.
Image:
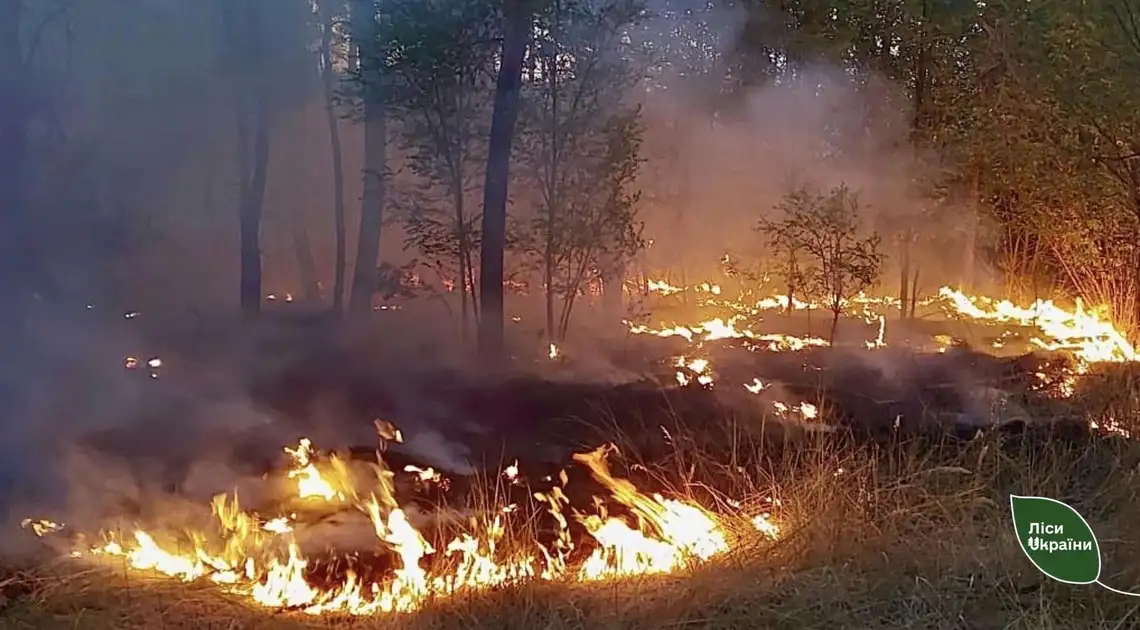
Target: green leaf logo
column 1056, row 539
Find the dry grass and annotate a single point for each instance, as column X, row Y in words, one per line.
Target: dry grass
column 893, row 536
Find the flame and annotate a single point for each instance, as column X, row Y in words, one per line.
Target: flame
column 1085, row 334
column 310, row 483
column 878, row 342
column 662, row 287
column 699, row 367
column 259, row 559
column 681, row 531
column 41, row 526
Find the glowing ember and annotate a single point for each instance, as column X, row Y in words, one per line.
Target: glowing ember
column 512, row 472
column 387, row 431
column 427, row 475
column 878, row 342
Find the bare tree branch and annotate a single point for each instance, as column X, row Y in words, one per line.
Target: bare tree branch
column 58, row 11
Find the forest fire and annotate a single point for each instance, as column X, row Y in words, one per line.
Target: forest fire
column 258, row 557
column 1084, row 334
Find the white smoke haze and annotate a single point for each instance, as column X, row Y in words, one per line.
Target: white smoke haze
column 730, row 171
column 158, row 124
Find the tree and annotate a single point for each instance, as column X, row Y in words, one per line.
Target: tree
column 612, row 229
column 443, row 244
column 329, row 23
column 366, row 32
column 782, row 240
column 516, row 34
column 838, row 262
column 1043, row 94
column 580, row 135
column 246, row 49
column 440, row 65
column 681, row 43
column 1096, row 46
column 596, row 230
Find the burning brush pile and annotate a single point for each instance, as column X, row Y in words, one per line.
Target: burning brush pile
column 390, row 554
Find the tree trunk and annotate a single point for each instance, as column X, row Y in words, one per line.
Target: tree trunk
column 255, row 175
column 464, row 321
column 918, row 126
column 921, row 81
column 904, row 275
column 613, row 295
column 251, row 210
column 793, row 270
column 294, row 178
column 553, row 190
column 1134, row 316
column 564, row 318
column 684, row 199
column 472, row 282
column 834, row 325
column 914, row 292
column 548, row 281
column 337, row 157
column 310, row 284
column 375, row 165
column 970, row 247
column 494, row 228
column 464, row 256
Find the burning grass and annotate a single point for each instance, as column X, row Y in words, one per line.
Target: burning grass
column 913, row 534
column 705, row 519
column 256, row 555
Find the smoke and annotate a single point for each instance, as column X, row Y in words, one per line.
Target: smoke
column 722, row 151
column 148, row 222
